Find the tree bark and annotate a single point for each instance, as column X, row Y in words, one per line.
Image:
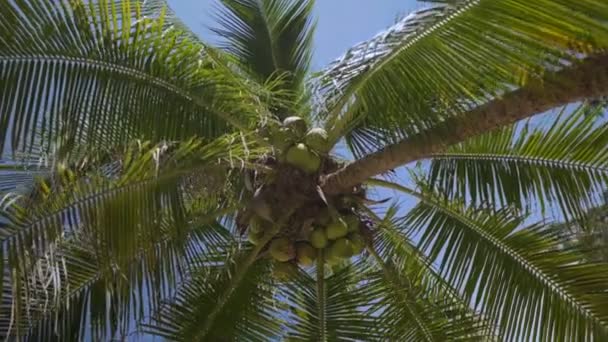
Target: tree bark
column 584, row 80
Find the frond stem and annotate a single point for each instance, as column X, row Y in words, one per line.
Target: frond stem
column 391, row 275
column 321, row 295
column 562, row 164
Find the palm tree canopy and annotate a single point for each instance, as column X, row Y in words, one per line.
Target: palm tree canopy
column 152, row 183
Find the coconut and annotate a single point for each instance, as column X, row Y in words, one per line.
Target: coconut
column 341, row 248
column 352, row 221
column 316, row 138
column 255, row 238
column 282, row 139
column 336, row 230
column 318, row 238
column 296, row 125
column 301, row 157
column 357, row 242
column 305, row 254
column 281, row 249
column 255, row 225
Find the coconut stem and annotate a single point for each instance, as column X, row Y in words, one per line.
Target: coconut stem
column 321, row 295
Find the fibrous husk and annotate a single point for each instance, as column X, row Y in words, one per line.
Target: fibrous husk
column 318, row 238
column 323, row 218
column 260, row 206
column 336, row 229
column 282, row 249
column 316, row 139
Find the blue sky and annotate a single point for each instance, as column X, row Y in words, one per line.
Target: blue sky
column 340, row 23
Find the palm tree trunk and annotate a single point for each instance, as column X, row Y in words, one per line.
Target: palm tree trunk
column 587, row 79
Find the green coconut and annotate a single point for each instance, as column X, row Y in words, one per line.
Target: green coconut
column 318, row 238
column 357, row 243
column 336, row 230
column 256, row 225
column 352, row 221
column 301, row 157
column 255, row 238
column 305, row 254
column 316, row 139
column 281, row 249
column 282, row 139
column 341, row 248
column 296, row 125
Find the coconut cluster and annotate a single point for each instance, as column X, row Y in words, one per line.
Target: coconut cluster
column 338, row 236
column 332, row 226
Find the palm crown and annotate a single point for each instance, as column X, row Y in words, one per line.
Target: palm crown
column 138, row 161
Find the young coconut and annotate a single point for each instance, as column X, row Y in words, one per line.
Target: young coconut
column 282, row 249
column 336, row 229
column 282, row 139
column 256, row 225
column 316, row 139
column 352, row 221
column 296, row 125
column 254, row 237
column 318, row 239
column 341, row 248
column 357, row 243
column 300, row 156
column 305, row 254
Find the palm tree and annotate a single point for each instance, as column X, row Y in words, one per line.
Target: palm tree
column 155, row 184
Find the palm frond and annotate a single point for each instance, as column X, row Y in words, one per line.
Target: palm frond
column 105, row 64
column 565, row 165
column 248, row 313
column 513, row 273
column 345, row 302
column 270, row 38
column 444, row 61
column 417, row 303
column 117, row 217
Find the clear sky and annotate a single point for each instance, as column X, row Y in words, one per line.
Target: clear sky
column 340, row 23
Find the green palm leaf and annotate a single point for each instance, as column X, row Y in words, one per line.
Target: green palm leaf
column 445, row 61
column 330, row 308
column 107, row 65
column 118, row 217
column 417, row 303
column 514, row 274
column 565, row 164
column 248, row 313
column 270, row 38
